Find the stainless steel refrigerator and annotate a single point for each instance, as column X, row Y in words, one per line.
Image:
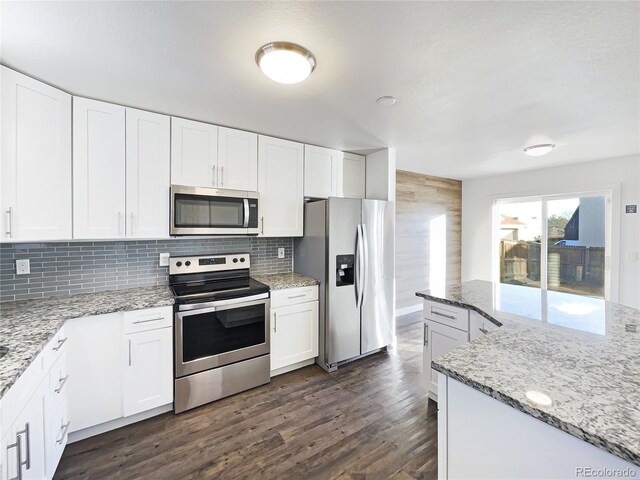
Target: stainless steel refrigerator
column 348, row 245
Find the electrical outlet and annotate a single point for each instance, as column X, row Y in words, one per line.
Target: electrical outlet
column 280, row 252
column 164, row 260
column 23, row 267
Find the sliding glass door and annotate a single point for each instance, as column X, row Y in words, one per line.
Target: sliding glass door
column 558, row 243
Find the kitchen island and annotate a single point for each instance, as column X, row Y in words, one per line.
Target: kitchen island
column 554, row 392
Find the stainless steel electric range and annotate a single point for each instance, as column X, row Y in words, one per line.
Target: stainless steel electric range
column 221, row 320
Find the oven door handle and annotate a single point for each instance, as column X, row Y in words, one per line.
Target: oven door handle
column 219, row 308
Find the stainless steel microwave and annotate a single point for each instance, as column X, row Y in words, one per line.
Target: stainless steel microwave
column 213, row 211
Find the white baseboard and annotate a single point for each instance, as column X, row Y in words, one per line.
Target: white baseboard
column 117, row 423
column 295, row 366
column 410, row 309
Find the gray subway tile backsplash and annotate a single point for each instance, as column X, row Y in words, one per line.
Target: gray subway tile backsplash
column 64, row 268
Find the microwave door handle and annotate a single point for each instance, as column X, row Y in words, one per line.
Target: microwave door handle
column 246, row 212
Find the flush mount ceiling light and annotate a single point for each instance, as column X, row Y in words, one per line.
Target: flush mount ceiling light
column 539, row 150
column 285, row 62
column 386, row 101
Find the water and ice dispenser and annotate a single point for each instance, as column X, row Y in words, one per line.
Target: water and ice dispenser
column 344, row 270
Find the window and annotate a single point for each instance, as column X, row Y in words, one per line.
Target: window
column 558, row 243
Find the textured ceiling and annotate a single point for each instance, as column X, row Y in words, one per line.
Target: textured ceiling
column 475, row 81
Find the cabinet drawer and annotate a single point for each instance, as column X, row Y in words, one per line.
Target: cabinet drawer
column 148, row 319
column 56, row 432
column 57, row 390
column 447, row 315
column 54, row 349
column 292, row 296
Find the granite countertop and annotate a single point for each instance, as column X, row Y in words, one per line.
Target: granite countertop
column 583, row 352
column 27, row 325
column 280, row 281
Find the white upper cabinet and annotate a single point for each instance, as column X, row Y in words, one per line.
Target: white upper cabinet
column 36, row 160
column 147, row 174
column 98, row 169
column 322, row 172
column 353, row 175
column 237, row 159
column 194, row 153
column 280, row 185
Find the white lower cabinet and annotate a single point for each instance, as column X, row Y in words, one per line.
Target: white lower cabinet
column 147, row 378
column 294, row 330
column 120, row 364
column 95, row 370
column 32, row 439
column 438, row 340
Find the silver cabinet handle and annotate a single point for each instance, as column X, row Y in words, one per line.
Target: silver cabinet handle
column 131, row 223
column 155, row 319
column 483, row 330
column 63, row 380
column 10, row 222
column 261, row 225
column 275, row 322
column 426, row 335
column 119, row 224
column 25, row 432
column 222, row 176
column 435, row 312
column 60, row 343
column 129, row 352
column 18, row 459
column 215, row 175
column 63, row 433
column 296, row 296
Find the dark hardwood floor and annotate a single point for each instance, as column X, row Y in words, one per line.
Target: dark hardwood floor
column 369, row 420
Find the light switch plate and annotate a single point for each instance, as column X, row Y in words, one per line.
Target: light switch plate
column 280, row 252
column 23, row 267
column 164, row 260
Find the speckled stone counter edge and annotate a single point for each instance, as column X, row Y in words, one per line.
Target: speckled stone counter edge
column 282, row 281
column 459, row 304
column 85, row 305
column 613, row 448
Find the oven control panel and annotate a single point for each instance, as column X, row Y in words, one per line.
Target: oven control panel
column 208, row 263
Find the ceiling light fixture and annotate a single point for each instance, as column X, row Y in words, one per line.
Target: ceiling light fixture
column 285, row 62
column 539, row 150
column 386, row 101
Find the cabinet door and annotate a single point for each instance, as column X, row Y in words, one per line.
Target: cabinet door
column 148, row 174
column 294, row 334
column 439, row 339
column 94, row 366
column 194, row 153
column 148, row 370
column 36, row 160
column 98, row 169
column 321, row 172
column 280, row 184
column 352, row 176
column 28, row 429
column 237, row 159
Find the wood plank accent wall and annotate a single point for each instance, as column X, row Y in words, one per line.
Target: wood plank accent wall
column 421, row 199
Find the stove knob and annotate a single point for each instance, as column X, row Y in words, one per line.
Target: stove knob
column 187, row 263
column 242, row 259
column 178, row 264
column 235, row 260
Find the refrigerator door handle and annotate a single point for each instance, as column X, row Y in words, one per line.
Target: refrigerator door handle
column 365, row 261
column 358, row 265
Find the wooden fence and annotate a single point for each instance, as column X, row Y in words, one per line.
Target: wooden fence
column 520, row 261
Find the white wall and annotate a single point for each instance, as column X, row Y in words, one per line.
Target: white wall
column 477, row 202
